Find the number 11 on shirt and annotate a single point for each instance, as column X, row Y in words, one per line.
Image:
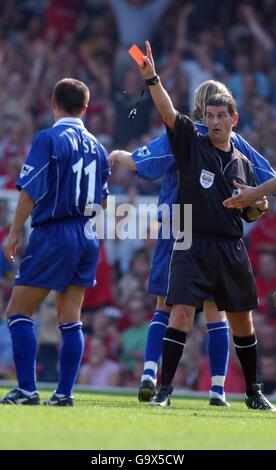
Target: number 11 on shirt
column 90, row 171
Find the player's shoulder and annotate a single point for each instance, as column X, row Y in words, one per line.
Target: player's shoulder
column 49, row 133
column 42, row 136
column 241, row 143
column 91, row 136
column 185, row 124
column 243, row 158
column 98, row 145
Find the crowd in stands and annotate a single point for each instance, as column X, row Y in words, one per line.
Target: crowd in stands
column 42, row 42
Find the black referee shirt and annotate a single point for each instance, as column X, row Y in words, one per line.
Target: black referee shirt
column 206, row 177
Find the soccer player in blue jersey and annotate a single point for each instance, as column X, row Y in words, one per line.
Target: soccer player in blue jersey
column 153, row 161
column 63, row 178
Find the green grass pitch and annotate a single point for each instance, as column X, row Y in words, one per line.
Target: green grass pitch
column 105, row 421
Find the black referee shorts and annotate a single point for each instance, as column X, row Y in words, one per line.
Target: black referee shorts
column 218, row 269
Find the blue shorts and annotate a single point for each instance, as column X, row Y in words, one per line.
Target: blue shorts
column 159, row 274
column 60, row 254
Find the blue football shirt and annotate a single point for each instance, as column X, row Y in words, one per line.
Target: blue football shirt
column 65, row 172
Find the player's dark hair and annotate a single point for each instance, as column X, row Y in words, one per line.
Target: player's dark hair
column 221, row 99
column 71, row 95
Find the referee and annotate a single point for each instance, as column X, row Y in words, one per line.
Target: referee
column 217, row 263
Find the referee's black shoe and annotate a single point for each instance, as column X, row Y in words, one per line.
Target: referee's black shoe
column 163, row 397
column 146, row 391
column 257, row 400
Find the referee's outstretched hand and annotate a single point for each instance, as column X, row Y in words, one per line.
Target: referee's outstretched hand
column 148, row 68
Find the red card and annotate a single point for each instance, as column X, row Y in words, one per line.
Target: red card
column 136, row 54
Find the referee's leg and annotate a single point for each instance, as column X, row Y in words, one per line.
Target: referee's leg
column 246, row 348
column 245, row 344
column 180, row 323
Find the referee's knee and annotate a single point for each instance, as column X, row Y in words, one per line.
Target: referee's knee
column 241, row 323
column 182, row 317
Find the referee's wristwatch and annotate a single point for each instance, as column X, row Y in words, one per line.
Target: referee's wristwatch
column 153, row 80
column 262, row 211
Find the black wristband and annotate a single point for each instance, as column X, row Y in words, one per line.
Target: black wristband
column 152, row 81
column 262, row 211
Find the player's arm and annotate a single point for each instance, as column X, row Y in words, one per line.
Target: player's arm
column 249, row 195
column 123, row 158
column 150, row 162
column 257, row 210
column 159, row 95
column 24, row 208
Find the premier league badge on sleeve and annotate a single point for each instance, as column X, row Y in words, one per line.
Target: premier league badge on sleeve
column 143, row 152
column 26, row 170
column 206, row 179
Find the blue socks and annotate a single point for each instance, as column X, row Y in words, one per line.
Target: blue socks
column 24, row 350
column 24, row 353
column 218, row 350
column 154, row 346
column 70, row 356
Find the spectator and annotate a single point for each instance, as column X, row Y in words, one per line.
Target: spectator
column 134, row 338
column 99, row 371
column 266, row 280
column 48, row 342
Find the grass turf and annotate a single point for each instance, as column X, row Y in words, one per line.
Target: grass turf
column 105, row 421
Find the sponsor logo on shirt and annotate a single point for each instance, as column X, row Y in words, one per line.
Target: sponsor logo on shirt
column 26, row 170
column 206, row 179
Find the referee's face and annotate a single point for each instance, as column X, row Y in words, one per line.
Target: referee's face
column 219, row 123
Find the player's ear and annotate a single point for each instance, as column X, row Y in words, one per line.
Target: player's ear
column 84, row 109
column 53, row 103
column 235, row 119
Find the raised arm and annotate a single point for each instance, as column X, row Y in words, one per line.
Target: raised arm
column 256, row 28
column 159, row 95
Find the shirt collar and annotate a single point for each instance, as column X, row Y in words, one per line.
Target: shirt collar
column 69, row 121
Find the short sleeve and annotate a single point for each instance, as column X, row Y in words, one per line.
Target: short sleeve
column 181, row 138
column 34, row 175
column 154, row 159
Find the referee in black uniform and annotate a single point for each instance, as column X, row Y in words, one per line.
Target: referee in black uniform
column 217, row 263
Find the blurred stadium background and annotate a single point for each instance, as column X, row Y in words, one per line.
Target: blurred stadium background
column 43, row 41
